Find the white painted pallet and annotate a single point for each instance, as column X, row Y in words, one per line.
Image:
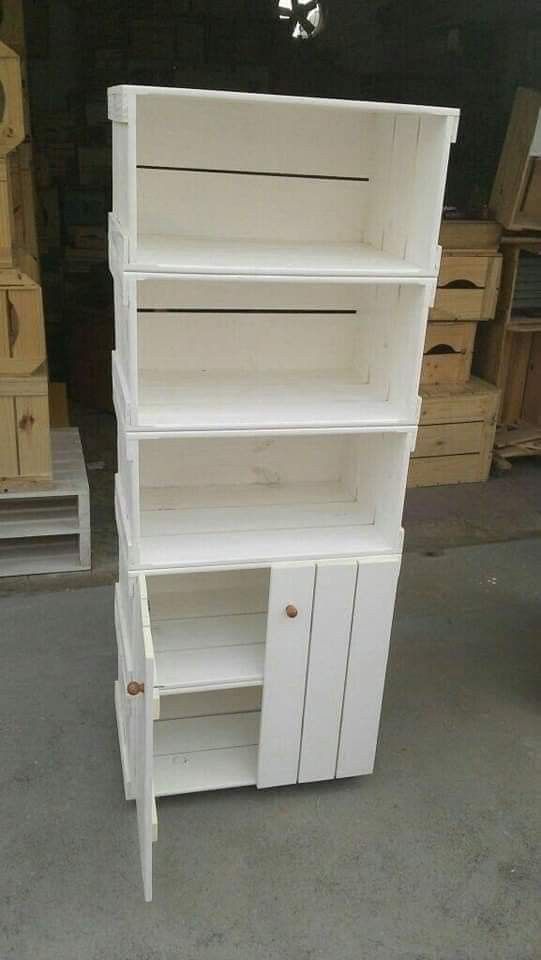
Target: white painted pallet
column 209, row 182
column 47, row 529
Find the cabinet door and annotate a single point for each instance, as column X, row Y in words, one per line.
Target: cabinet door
column 143, row 659
column 334, row 596
column 368, row 650
column 284, row 677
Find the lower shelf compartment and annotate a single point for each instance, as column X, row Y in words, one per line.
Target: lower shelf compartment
column 205, row 753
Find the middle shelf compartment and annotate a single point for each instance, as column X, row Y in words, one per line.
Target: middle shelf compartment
column 232, row 355
column 185, row 502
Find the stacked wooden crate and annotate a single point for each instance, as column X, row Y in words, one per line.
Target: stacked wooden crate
column 24, row 417
column 458, row 414
column 510, row 349
column 44, row 502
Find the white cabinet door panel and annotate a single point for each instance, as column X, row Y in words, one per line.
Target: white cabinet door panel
column 284, row 677
column 144, row 735
column 329, row 645
column 369, row 646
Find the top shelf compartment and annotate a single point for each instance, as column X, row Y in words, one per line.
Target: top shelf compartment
column 247, row 184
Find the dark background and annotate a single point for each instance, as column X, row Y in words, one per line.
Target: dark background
column 467, row 54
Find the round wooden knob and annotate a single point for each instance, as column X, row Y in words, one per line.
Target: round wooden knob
column 291, row 611
column 134, row 688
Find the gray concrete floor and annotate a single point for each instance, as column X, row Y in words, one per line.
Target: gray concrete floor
column 434, row 857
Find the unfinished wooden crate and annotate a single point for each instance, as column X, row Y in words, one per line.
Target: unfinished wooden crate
column 509, row 348
column 516, row 195
column 46, row 529
column 12, row 118
column 448, row 352
column 22, row 328
column 456, row 434
column 468, row 284
column 25, row 457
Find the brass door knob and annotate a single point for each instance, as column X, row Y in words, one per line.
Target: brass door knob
column 134, row 688
column 291, row 611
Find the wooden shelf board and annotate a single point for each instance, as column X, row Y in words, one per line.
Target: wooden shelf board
column 39, row 555
column 172, row 254
column 331, row 533
column 264, row 402
column 209, row 653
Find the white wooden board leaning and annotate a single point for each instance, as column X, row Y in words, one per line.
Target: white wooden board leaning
column 271, row 295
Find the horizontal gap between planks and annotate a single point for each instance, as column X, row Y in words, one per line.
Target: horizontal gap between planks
column 234, row 310
column 446, row 456
column 185, row 753
column 255, row 173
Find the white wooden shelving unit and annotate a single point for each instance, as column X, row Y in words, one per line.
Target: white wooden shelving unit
column 273, row 259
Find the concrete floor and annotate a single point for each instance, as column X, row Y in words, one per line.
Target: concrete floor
column 434, row 857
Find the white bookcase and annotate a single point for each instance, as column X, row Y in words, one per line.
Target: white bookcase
column 274, row 259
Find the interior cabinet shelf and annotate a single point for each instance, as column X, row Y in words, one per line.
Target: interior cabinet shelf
column 209, row 653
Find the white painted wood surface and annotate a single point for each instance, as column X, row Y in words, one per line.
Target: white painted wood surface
column 368, row 651
column 144, row 733
column 185, row 175
column 286, row 658
column 271, row 292
column 325, row 679
column 47, row 529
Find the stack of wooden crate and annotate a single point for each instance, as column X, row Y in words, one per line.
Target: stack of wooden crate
column 24, row 415
column 510, row 349
column 458, row 414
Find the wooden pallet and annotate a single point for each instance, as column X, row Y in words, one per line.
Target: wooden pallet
column 522, row 440
column 47, row 529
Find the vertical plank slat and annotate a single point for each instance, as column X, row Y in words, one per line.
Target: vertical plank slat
column 372, row 619
column 32, row 417
column 284, row 675
column 9, row 463
column 5, row 346
column 329, row 644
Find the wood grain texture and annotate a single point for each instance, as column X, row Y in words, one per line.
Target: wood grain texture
column 9, row 460
column 286, row 659
column 32, row 416
column 331, row 617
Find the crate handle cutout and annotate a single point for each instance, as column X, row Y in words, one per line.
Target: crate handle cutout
column 255, row 173
column 14, row 326
column 442, row 348
column 461, row 285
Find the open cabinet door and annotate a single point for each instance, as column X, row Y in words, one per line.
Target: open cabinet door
column 143, row 657
column 286, row 656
